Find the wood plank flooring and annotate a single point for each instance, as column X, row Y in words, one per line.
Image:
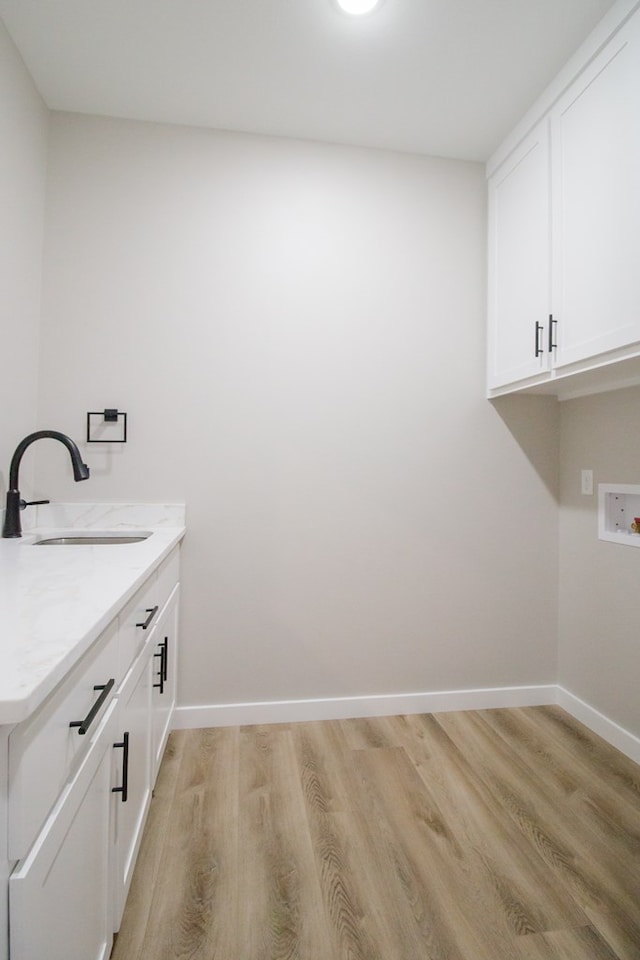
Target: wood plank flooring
column 484, row 835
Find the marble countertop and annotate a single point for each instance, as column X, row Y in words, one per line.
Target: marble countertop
column 55, row 601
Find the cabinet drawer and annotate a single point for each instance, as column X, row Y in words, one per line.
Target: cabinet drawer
column 45, row 750
column 141, row 615
column 168, row 575
column 136, row 622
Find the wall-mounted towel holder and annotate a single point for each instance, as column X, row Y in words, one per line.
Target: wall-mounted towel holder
column 106, row 426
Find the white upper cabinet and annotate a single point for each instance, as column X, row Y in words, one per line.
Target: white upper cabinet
column 595, row 131
column 564, row 223
column 519, row 269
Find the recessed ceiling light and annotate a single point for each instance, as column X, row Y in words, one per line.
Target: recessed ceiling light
column 357, row 7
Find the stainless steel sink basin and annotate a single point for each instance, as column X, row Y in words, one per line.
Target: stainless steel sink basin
column 92, row 539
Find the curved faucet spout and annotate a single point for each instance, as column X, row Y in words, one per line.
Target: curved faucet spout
column 12, row 526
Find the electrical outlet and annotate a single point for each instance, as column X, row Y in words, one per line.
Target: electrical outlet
column 587, row 483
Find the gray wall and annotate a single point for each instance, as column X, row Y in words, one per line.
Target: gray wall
column 23, row 156
column 599, row 652
column 23, row 140
column 297, row 333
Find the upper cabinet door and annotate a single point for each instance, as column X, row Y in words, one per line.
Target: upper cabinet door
column 519, row 263
column 595, row 134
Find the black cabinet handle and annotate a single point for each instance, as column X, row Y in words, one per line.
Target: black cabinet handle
column 552, row 324
column 124, row 789
column 152, row 612
column 83, row 725
column 539, row 328
column 162, row 672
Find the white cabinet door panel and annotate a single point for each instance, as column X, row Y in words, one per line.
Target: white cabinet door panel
column 595, row 135
column 519, row 263
column 59, row 895
column 129, row 813
column 164, row 681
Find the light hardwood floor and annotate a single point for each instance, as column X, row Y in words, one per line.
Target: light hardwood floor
column 483, row 835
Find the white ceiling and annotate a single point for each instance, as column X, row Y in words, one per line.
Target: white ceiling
column 443, row 77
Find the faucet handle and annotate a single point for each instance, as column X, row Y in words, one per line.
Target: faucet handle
column 31, row 503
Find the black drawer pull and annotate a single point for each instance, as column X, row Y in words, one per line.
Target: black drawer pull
column 83, row 725
column 165, row 646
column 552, row 342
column 152, row 612
column 538, row 349
column 162, row 672
column 124, row 789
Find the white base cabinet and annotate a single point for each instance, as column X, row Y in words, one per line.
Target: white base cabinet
column 564, row 218
column 78, row 825
column 59, row 895
column 146, row 704
column 4, row 832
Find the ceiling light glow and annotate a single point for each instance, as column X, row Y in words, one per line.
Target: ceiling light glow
column 357, row 7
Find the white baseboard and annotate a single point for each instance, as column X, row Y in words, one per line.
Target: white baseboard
column 608, row 729
column 393, row 704
column 344, row 708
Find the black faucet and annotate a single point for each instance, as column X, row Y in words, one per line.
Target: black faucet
column 12, row 526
